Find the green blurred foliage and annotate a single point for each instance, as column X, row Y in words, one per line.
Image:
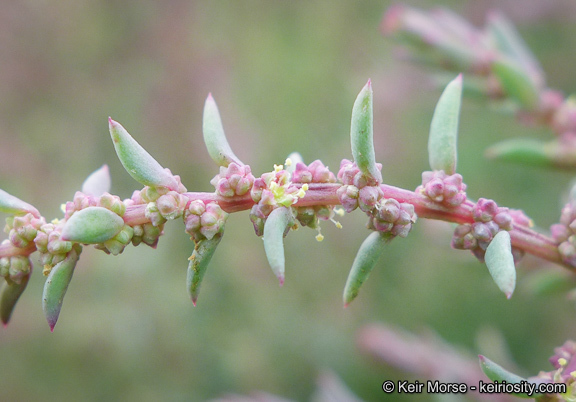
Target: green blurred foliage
column 285, row 75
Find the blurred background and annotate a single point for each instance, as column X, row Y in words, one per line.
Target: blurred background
column 285, row 75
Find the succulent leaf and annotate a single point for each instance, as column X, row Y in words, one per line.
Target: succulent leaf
column 214, row 136
column 56, row 286
column 365, row 260
column 14, row 205
column 199, row 260
column 137, row 161
column 516, row 83
column 527, row 151
column 276, row 224
column 92, row 225
column 9, row 295
column 362, row 132
column 98, row 182
column 495, row 372
column 442, row 152
column 500, row 262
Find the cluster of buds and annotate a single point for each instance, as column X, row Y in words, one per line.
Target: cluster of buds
column 315, row 172
column 16, row 268
column 233, row 180
column 82, row 201
column 489, row 219
column 118, row 243
column 22, row 230
column 147, row 234
column 204, row 221
column 565, row 234
column 358, row 190
column 51, row 247
column 391, row 216
column 448, row 190
column 272, row 190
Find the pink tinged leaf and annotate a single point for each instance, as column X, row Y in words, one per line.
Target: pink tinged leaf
column 276, row 224
column 137, row 161
column 214, row 136
column 92, row 225
column 13, row 205
column 56, row 286
column 500, row 263
column 442, row 152
column 98, row 182
column 199, row 260
column 364, row 263
column 9, row 295
column 361, row 133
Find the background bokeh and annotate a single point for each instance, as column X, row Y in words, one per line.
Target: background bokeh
column 285, row 75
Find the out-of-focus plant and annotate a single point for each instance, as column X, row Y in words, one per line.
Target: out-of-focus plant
column 499, row 67
column 296, row 194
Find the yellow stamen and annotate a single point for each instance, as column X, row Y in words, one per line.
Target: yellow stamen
column 562, row 361
column 63, row 208
column 278, row 168
column 339, row 211
column 319, row 237
column 288, row 162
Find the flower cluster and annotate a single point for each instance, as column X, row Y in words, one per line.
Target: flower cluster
column 22, row 230
column 233, row 180
column 358, row 190
column 270, row 191
column 51, row 248
column 565, row 234
column 391, row 216
column 310, row 216
column 489, row 219
column 564, row 363
column 449, row 190
column 204, row 220
column 16, row 268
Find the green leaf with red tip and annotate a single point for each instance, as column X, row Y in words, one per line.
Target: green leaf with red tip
column 516, row 83
column 203, row 252
column 13, row 205
column 9, row 295
column 529, row 152
column 56, row 285
column 214, row 136
column 137, row 161
column 92, row 225
column 98, row 182
column 496, row 372
column 364, row 263
column 276, row 225
column 500, row 262
column 362, row 133
column 442, row 152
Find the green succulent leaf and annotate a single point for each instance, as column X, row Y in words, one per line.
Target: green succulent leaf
column 442, row 152
column 516, row 83
column 137, row 161
column 362, row 133
column 512, row 45
column 214, row 136
column 199, row 260
column 56, row 286
column 275, row 227
column 98, row 182
column 365, row 260
column 496, row 372
column 9, row 295
column 529, row 152
column 500, row 262
column 13, row 205
column 92, row 225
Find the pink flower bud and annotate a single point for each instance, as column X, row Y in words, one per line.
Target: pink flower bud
column 368, row 197
column 171, row 205
column 485, row 210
